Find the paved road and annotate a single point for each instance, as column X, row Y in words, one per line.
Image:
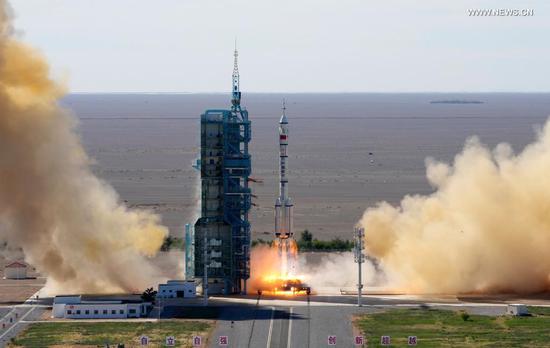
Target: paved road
column 16, row 318
column 299, row 323
column 294, row 322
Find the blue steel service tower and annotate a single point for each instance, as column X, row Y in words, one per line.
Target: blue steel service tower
column 225, row 166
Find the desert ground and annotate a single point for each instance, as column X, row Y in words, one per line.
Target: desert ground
column 347, row 151
column 17, row 291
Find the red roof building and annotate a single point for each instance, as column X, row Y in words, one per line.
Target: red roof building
column 15, row 270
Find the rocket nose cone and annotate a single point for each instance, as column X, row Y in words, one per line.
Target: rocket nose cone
column 283, row 119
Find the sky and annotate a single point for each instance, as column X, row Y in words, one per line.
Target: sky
column 290, row 45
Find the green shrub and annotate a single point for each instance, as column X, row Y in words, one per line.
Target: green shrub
column 172, row 243
column 464, row 315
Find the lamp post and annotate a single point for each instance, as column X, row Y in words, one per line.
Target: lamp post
column 359, row 259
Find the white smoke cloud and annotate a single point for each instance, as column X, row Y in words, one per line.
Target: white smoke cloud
column 70, row 225
column 486, row 228
column 338, row 271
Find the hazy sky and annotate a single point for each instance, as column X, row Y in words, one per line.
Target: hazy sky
column 290, row 45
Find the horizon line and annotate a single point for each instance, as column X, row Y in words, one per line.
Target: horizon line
column 309, row 92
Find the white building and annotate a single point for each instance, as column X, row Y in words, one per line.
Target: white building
column 177, row 289
column 15, row 270
column 73, row 307
column 517, row 309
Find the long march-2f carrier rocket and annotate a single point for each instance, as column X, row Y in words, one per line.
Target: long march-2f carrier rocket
column 284, row 234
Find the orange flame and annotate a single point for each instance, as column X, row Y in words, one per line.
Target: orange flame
column 273, row 270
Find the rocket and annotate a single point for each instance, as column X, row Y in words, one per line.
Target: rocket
column 283, row 204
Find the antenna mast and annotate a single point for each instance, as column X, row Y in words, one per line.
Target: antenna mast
column 236, row 97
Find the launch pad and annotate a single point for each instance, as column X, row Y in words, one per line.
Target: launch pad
column 284, row 287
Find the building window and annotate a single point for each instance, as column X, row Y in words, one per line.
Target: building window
column 132, row 311
column 113, row 311
column 96, row 311
column 121, row 311
column 78, row 311
column 104, row 311
column 69, row 312
column 87, row 311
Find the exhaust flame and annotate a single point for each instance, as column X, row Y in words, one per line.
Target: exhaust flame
column 274, row 272
column 69, row 224
column 287, row 257
column 486, row 228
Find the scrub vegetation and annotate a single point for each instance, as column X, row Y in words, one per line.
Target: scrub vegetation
column 172, row 243
column 112, row 333
column 443, row 328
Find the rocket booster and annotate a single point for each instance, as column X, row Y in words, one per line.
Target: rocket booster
column 283, row 204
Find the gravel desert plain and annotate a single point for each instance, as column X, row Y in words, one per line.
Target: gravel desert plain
column 347, row 151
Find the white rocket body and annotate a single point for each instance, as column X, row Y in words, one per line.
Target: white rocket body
column 283, row 204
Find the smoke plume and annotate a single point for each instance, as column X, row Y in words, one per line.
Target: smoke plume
column 486, row 228
column 70, row 225
column 328, row 273
column 337, row 271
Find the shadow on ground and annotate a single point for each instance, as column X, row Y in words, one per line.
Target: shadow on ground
column 226, row 313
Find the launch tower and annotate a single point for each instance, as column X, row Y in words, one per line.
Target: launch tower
column 225, row 166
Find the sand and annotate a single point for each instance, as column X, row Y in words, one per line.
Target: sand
column 14, row 291
column 347, row 151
